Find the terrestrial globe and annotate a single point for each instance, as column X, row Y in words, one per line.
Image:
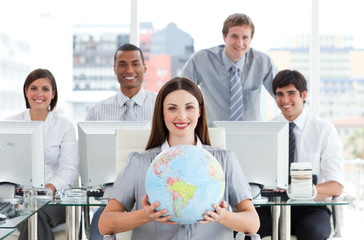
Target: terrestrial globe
column 187, row 180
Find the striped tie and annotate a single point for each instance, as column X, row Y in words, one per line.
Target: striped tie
column 236, row 95
column 129, row 114
column 292, row 143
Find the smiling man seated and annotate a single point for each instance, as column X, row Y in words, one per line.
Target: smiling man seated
column 317, row 142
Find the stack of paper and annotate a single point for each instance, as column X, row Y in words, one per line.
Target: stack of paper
column 301, row 180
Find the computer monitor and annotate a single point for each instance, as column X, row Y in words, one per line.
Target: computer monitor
column 261, row 148
column 22, row 153
column 97, row 150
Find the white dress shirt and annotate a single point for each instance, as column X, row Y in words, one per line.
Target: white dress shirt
column 317, row 142
column 114, row 108
column 61, row 150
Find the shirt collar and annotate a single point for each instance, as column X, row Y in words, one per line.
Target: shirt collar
column 137, row 98
column 228, row 63
column 300, row 120
column 28, row 118
column 27, row 115
column 165, row 145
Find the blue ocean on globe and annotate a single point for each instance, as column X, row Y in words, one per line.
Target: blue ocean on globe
column 187, row 180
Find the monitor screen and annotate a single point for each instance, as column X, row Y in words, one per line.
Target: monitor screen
column 261, row 148
column 97, row 150
column 22, row 153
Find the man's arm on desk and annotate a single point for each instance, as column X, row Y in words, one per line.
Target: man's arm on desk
column 329, row 189
column 324, row 190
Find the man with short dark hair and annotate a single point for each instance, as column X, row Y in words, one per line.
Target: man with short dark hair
column 129, row 68
column 213, row 69
column 317, row 142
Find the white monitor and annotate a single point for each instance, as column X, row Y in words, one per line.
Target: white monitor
column 261, row 148
column 97, row 150
column 22, row 153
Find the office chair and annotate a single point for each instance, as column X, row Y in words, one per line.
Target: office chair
column 127, row 141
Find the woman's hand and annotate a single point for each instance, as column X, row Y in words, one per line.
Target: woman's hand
column 153, row 215
column 215, row 216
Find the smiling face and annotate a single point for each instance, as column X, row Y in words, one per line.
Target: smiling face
column 40, row 94
column 181, row 112
column 237, row 42
column 290, row 101
column 129, row 69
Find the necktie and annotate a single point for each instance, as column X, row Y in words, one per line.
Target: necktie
column 292, row 143
column 129, row 114
column 236, row 95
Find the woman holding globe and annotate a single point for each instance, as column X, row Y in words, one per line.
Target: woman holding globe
column 179, row 119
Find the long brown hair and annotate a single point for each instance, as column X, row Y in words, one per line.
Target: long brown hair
column 159, row 132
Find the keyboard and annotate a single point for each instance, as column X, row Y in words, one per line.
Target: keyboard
column 4, row 207
column 269, row 193
column 95, row 193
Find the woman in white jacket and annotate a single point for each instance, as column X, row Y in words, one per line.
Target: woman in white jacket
column 60, row 155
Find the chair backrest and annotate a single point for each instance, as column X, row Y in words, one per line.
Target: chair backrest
column 128, row 141
column 134, row 140
column 217, row 137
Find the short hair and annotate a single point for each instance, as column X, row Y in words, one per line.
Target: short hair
column 288, row 77
column 237, row 19
column 129, row 47
column 35, row 75
column 159, row 130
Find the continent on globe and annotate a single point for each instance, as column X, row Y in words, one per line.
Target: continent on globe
column 182, row 193
column 187, row 180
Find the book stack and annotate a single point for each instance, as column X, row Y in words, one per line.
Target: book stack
column 301, row 180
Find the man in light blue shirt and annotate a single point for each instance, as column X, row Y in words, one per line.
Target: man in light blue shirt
column 211, row 70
